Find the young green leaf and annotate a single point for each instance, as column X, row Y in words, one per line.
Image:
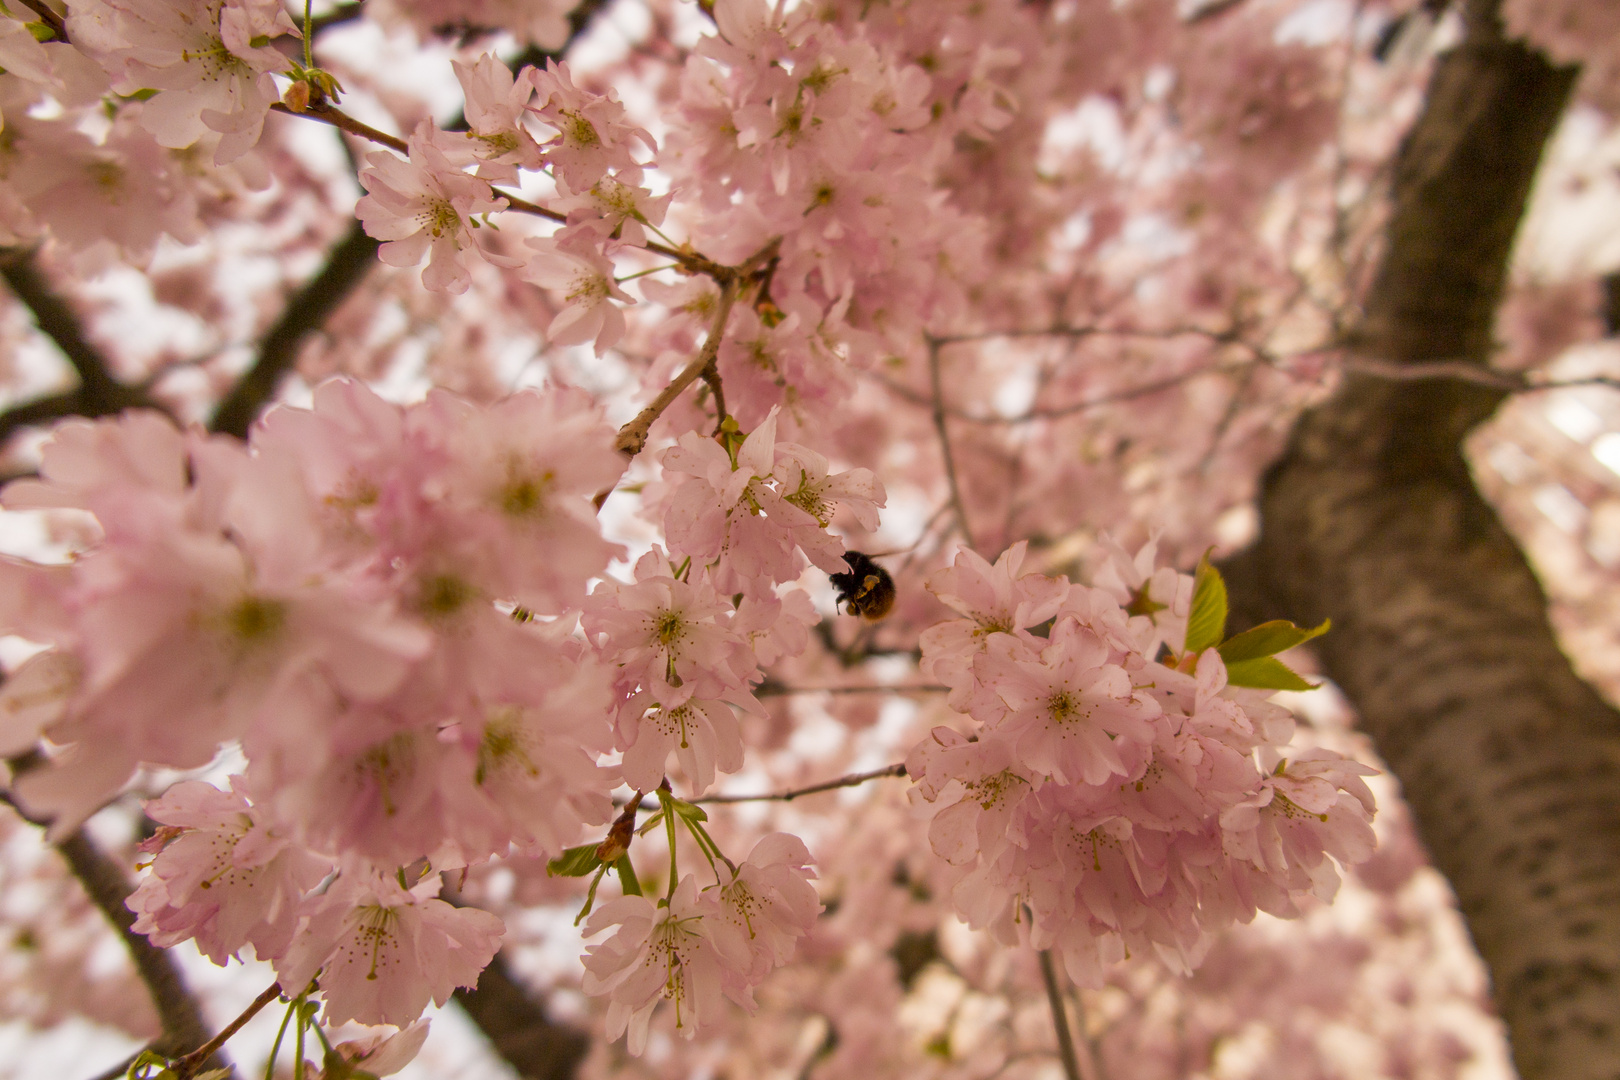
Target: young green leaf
column 1268, row 639
column 627, row 876
column 689, row 811
column 1265, row 673
column 1206, row 624
column 575, row 862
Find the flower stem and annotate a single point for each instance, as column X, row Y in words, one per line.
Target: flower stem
column 1060, row 1017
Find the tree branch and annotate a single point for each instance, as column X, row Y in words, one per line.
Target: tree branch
column 42, row 411
column 938, row 408
column 536, row 1046
column 305, row 313
column 1060, row 1017
column 1440, row 632
column 98, row 393
column 198, row 1060
column 632, row 436
column 852, row 780
column 108, row 888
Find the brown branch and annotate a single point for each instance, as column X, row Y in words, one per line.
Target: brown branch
column 45, row 410
column 98, row 392
column 196, row 1061
column 938, row 408
column 108, row 887
column 305, row 314
column 775, row 689
column 341, row 120
column 853, row 780
column 536, row 1046
column 711, row 379
column 632, row 436
column 1060, row 1017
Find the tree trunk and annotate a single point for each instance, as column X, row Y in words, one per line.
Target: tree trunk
column 1440, row 636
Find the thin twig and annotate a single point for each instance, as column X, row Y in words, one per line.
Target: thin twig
column 188, row 1066
column 945, row 443
column 344, row 122
column 1426, row 370
column 773, row 689
column 341, row 120
column 1469, row 372
column 1059, row 412
column 1060, row 1017
column 853, row 780
column 711, row 378
column 632, row 436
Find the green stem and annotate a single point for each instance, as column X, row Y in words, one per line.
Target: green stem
column 664, row 798
column 660, row 232
column 275, row 1047
column 309, row 35
column 298, row 1045
column 644, row 273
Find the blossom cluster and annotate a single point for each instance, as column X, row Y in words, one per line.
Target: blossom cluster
column 806, row 127
column 429, row 203
column 1116, row 795
column 699, row 945
column 381, row 606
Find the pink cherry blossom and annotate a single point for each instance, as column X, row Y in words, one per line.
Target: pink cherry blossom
column 427, row 206
column 617, row 207
column 664, row 634
column 496, row 104
column 658, row 951
column 573, row 263
column 592, row 135
column 764, row 910
column 209, row 60
column 224, row 876
column 382, row 952
column 757, row 513
column 703, row 735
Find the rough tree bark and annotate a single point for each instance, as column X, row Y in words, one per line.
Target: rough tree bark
column 1440, row 635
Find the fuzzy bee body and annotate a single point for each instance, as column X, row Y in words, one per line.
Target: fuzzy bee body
column 866, row 590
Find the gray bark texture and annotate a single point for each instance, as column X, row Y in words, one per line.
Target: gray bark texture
column 1440, row 636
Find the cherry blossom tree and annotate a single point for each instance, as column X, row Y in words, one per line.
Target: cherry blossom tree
column 885, row 647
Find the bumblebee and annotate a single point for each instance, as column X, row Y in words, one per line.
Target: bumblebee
column 867, row 590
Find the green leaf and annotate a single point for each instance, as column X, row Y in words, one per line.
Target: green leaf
column 1206, row 624
column 1268, row 639
column 1265, row 673
column 689, row 811
column 590, row 895
column 575, row 862
column 627, row 876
